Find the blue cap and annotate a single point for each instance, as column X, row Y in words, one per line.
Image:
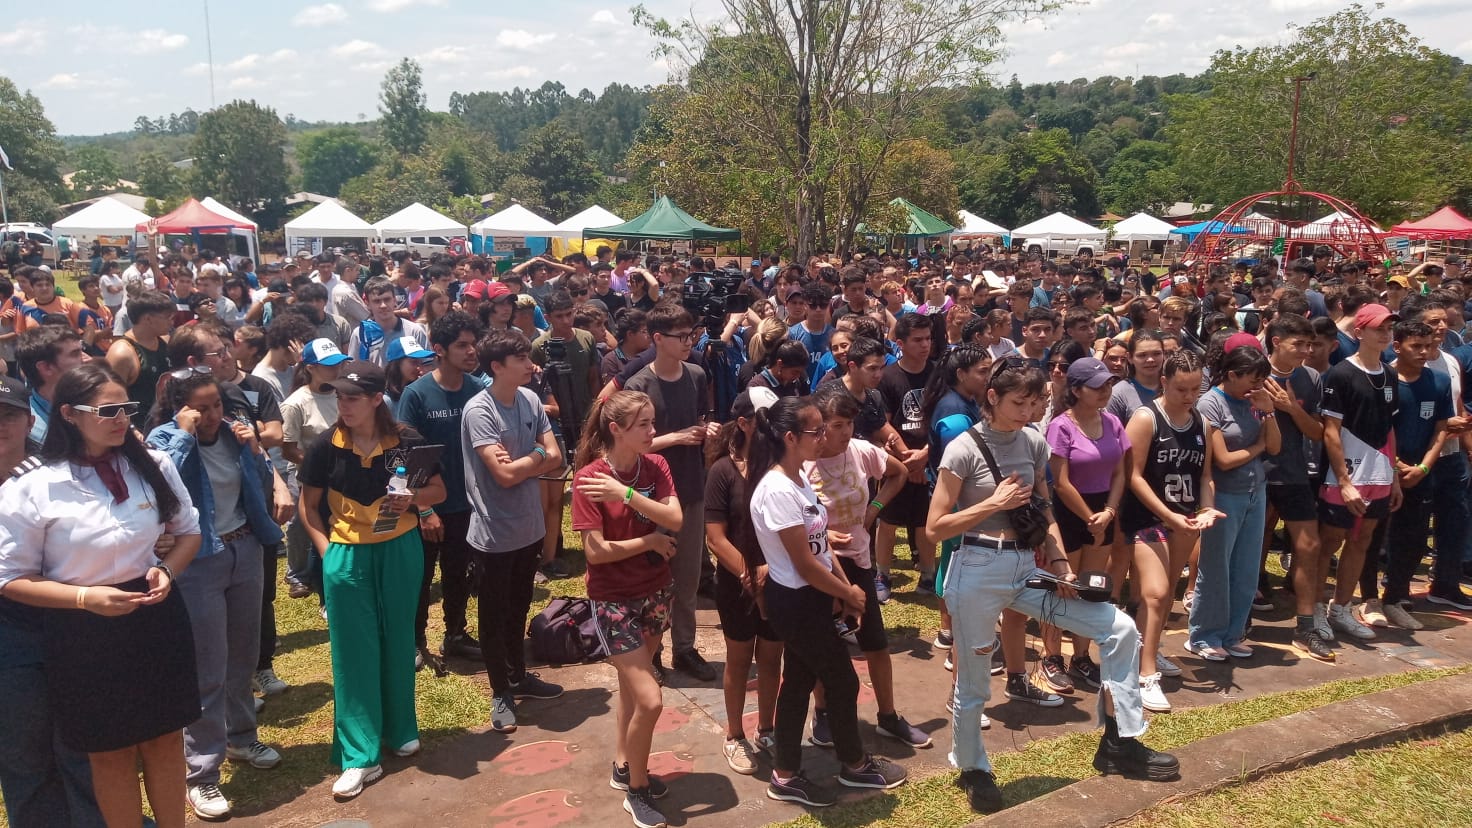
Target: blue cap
column 405, row 346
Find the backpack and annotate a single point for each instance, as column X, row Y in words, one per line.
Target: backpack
column 566, row 632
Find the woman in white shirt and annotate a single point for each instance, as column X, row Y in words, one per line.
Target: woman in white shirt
column 77, row 535
column 802, row 582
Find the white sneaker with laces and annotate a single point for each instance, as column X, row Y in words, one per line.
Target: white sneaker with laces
column 1321, row 623
column 1151, row 696
column 1341, row 618
column 1401, row 617
column 1371, row 613
column 1165, row 666
column 257, row 754
column 208, row 802
column 351, row 783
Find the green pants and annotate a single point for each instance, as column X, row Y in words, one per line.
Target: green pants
column 372, row 591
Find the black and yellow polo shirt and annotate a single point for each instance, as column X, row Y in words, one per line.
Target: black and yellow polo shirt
column 354, row 486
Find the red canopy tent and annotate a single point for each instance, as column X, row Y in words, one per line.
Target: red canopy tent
column 191, row 217
column 1445, row 223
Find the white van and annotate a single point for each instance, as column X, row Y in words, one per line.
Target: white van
column 38, row 233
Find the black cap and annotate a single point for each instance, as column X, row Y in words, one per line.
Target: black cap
column 14, row 394
column 358, row 376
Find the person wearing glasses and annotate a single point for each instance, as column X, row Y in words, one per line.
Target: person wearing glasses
column 78, row 527
column 225, row 471
column 989, row 571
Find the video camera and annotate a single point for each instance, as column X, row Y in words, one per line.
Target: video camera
column 711, row 297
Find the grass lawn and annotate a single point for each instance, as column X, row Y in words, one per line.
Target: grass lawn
column 1420, row 783
column 936, row 802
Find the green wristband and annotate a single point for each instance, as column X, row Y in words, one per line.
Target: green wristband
column 876, row 504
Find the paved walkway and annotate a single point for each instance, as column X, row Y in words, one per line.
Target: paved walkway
column 554, row 769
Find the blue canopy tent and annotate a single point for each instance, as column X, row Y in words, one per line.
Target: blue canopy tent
column 1191, row 231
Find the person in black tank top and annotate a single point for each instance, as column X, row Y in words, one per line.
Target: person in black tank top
column 140, row 357
column 1169, row 501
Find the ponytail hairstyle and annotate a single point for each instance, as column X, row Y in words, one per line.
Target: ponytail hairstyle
column 943, row 378
column 64, row 440
column 619, row 407
column 1181, row 361
column 769, row 334
column 768, row 445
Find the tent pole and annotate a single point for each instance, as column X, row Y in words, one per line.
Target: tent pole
column 4, row 207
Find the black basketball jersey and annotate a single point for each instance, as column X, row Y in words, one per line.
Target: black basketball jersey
column 1173, row 469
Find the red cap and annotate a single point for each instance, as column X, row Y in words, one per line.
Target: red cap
column 1373, row 316
column 475, row 290
column 1239, row 340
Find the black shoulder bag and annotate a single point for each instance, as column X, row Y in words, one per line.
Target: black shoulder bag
column 1030, row 520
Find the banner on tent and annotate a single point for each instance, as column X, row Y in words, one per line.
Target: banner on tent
column 506, row 244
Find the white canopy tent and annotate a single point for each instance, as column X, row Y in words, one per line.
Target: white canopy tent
column 1058, row 226
column 1142, row 227
column 1344, row 220
column 594, row 216
column 328, row 220
column 215, row 206
column 417, row 220
column 515, row 220
column 104, row 217
column 974, row 225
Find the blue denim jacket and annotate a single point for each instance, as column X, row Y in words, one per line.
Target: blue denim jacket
column 183, row 448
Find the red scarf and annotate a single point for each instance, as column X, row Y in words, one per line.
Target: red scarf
column 107, row 468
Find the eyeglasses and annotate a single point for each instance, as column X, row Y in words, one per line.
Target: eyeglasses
column 816, row 432
column 111, row 411
column 1056, row 366
column 191, row 371
column 683, row 337
column 220, row 354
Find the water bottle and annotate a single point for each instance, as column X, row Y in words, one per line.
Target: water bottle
column 398, row 485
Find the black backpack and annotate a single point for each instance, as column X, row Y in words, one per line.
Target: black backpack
column 566, row 632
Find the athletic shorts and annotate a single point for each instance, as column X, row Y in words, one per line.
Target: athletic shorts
column 623, row 626
column 1336, row 515
column 740, row 619
column 871, row 633
column 1294, row 502
column 1074, row 530
column 908, row 508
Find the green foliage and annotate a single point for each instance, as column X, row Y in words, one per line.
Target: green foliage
column 1384, row 124
column 158, row 178
column 564, row 175
column 1036, row 174
column 395, row 184
column 607, row 123
column 96, row 171
column 1141, row 177
column 240, row 157
column 178, row 123
column 29, row 139
column 330, row 158
column 401, row 102
column 465, row 209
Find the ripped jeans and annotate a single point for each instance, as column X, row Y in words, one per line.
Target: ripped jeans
column 984, row 580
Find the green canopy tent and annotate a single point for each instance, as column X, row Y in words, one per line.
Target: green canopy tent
column 922, row 224
column 664, row 222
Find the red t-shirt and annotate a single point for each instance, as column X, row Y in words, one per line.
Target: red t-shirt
column 635, row 578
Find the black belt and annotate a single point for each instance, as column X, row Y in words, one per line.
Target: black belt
column 1003, row 544
column 236, row 534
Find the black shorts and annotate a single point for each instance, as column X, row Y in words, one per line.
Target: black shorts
column 1333, row 514
column 871, row 634
column 909, row 508
column 1074, row 529
column 1294, row 501
column 740, row 619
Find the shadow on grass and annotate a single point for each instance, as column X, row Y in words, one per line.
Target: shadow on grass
column 301, row 639
column 292, row 708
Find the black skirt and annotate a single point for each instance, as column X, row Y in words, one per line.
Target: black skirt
column 121, row 681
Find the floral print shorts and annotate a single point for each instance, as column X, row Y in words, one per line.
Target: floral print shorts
column 624, row 625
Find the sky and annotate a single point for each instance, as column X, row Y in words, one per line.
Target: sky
column 100, row 65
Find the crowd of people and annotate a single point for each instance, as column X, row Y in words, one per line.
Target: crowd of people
column 1074, row 443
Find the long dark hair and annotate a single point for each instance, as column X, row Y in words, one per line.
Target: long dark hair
column 767, row 448
column 79, row 386
column 943, row 378
column 1011, row 374
column 174, row 394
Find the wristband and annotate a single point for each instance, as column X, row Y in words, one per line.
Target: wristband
column 165, row 568
column 876, row 504
column 81, row 598
column 628, row 494
column 541, row 451
column 1422, row 467
column 426, row 513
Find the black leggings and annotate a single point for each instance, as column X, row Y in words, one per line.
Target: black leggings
column 504, row 597
column 453, row 554
column 814, row 652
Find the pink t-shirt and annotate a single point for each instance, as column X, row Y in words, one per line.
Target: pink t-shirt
column 842, row 484
column 1090, row 462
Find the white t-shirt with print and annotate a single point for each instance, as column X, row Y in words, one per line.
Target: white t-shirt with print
column 779, row 503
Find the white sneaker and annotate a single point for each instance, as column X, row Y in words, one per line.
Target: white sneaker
column 986, row 722
column 1321, row 623
column 1151, row 696
column 1371, row 613
column 258, row 754
column 267, row 683
column 1165, row 666
column 950, row 665
column 741, row 756
column 351, row 783
column 408, row 748
column 1401, row 617
column 1341, row 618
column 208, row 802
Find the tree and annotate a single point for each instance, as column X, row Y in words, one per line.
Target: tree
column 395, row 184
column 1039, row 173
column 240, row 157
column 566, row 175
column 818, row 83
column 1141, row 176
column 401, row 102
column 97, row 170
column 330, row 158
column 1382, row 124
column 157, row 177
column 29, row 139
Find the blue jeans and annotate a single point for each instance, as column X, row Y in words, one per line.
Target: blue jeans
column 44, row 781
column 1226, row 575
column 223, row 593
column 981, row 582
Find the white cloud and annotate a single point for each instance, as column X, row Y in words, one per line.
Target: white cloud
column 522, row 39
column 513, row 72
column 354, row 48
column 603, row 16
column 246, row 82
column 197, row 69
column 374, row 66
column 249, row 61
column 160, row 39
column 1057, row 58
column 1160, row 20
column 447, row 54
column 387, row 6
column 64, row 80
column 23, row 38
column 320, row 15
column 282, row 54
column 1293, row 6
